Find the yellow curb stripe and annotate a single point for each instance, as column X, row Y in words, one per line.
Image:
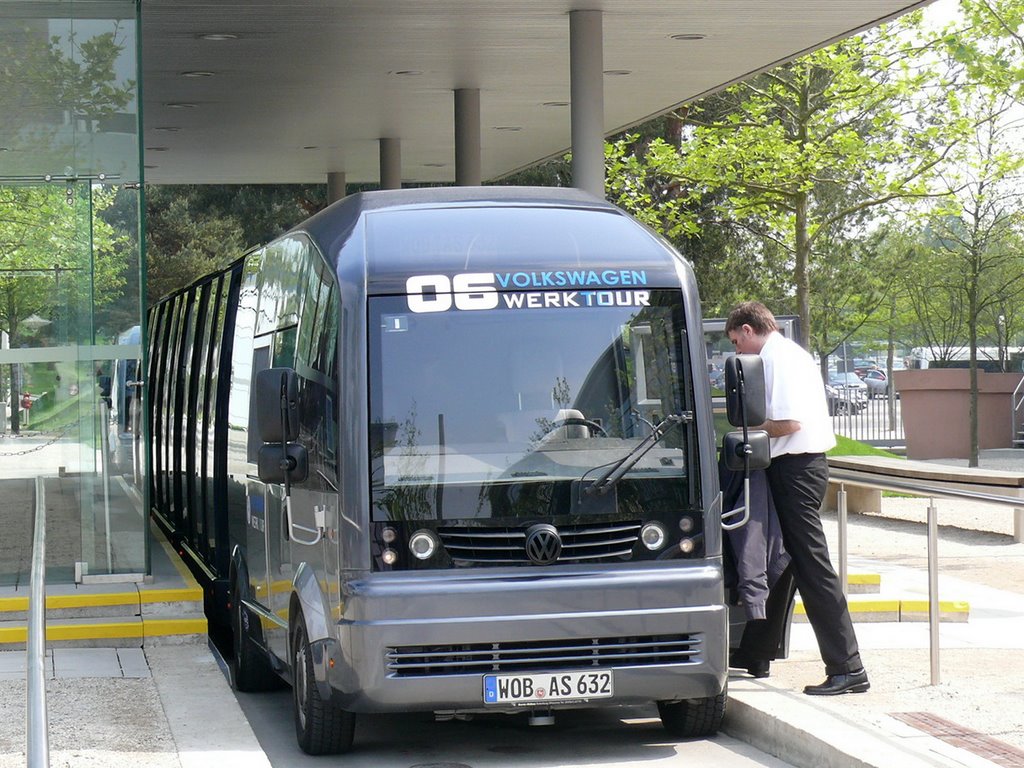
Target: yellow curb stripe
column 895, row 606
column 861, row 606
column 864, row 578
column 161, row 627
column 146, row 628
column 12, row 604
column 97, row 599
column 921, row 606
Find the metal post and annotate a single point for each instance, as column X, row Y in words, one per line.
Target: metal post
column 468, row 172
column 105, row 473
column 37, row 733
column 390, row 163
column 586, row 84
column 335, row 186
column 933, row 589
column 841, row 520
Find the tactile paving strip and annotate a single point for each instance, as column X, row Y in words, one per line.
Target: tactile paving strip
column 956, row 735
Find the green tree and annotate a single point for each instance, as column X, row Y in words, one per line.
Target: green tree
column 800, row 155
column 54, row 259
column 193, row 230
column 979, row 244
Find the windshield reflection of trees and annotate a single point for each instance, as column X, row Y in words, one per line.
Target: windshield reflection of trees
column 630, row 386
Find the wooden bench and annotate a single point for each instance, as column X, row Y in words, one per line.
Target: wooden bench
column 861, row 497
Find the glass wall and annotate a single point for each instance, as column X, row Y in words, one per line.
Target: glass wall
column 70, row 279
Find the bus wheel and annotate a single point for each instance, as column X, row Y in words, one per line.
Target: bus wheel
column 320, row 727
column 693, row 717
column 250, row 667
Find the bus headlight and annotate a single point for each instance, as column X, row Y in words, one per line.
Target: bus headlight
column 423, row 544
column 686, row 546
column 653, row 536
column 686, row 524
column 389, row 535
column 389, row 556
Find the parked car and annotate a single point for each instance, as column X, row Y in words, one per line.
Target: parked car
column 846, row 381
column 845, row 400
column 877, row 382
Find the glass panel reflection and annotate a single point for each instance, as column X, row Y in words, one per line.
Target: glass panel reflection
column 70, row 287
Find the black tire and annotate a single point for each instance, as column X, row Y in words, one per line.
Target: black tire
column 250, row 667
column 692, row 718
column 320, row 727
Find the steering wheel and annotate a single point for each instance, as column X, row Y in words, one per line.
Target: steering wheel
column 593, row 426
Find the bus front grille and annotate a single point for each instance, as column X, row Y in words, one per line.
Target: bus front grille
column 591, row 542
column 541, row 655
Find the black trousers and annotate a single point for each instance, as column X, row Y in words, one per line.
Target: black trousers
column 798, row 483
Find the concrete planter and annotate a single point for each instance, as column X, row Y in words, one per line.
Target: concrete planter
column 936, row 411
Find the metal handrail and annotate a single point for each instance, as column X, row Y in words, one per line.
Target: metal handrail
column 37, row 731
column 931, row 490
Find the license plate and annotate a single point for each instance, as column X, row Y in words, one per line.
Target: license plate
column 547, row 687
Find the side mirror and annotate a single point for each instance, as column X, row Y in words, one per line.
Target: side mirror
column 752, row 453
column 744, row 391
column 277, row 407
column 277, row 464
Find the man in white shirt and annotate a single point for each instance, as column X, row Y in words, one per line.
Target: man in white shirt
column 801, row 432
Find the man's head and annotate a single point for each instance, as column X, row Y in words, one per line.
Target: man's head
column 749, row 325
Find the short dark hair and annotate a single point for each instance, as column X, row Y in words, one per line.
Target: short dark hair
column 752, row 313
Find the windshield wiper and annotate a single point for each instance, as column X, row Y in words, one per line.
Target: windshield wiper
column 616, row 471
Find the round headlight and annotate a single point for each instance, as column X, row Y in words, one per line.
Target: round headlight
column 389, row 556
column 653, row 536
column 686, row 524
column 389, row 535
column 686, row 546
column 423, row 544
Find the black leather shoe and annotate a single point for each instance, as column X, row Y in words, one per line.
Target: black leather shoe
column 755, row 667
column 852, row 682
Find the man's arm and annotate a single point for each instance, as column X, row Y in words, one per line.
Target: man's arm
column 780, row 428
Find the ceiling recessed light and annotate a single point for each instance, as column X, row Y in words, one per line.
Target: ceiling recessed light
column 167, row 128
column 197, row 73
column 688, row 36
column 508, row 128
column 5, row 149
column 406, row 72
column 618, row 72
column 556, row 104
column 179, row 105
column 217, row 36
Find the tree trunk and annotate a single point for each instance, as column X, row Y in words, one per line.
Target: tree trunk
column 801, row 275
column 972, row 326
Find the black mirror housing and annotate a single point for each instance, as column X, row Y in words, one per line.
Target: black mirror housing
column 276, row 463
column 744, row 391
column 275, row 424
column 757, row 448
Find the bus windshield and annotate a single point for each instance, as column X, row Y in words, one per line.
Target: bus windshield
column 469, row 410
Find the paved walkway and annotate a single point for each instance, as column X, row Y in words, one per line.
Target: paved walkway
column 171, row 705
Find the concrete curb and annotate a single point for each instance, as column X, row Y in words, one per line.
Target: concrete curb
column 786, row 724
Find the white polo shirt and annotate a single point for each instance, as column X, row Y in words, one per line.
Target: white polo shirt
column 794, row 392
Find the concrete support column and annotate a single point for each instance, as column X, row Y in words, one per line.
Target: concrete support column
column 586, row 79
column 335, row 186
column 390, row 163
column 467, row 137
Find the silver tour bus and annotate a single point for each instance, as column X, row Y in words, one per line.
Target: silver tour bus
column 449, row 450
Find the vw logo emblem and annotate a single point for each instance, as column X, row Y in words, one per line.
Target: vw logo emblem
column 543, row 544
